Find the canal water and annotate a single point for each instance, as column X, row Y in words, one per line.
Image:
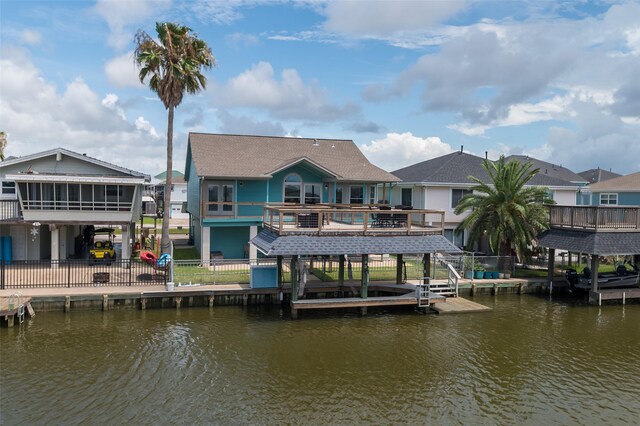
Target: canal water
column 530, row 361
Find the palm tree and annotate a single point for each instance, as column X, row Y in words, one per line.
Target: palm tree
column 173, row 66
column 3, row 144
column 511, row 213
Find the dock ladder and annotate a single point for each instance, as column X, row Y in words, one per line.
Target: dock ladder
column 15, row 300
column 423, row 292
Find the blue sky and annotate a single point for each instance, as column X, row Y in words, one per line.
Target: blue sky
column 407, row 81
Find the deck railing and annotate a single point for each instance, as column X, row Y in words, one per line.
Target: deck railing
column 9, row 210
column 351, row 220
column 595, row 218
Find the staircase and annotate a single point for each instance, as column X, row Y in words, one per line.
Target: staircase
column 450, row 287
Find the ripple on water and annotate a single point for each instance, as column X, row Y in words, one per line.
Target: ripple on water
column 529, row 361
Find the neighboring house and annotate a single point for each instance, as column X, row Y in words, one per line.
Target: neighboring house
column 230, row 179
column 598, row 175
column 440, row 184
column 178, row 193
column 49, row 200
column 620, row 191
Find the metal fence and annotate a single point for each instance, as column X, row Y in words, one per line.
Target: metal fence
column 77, row 273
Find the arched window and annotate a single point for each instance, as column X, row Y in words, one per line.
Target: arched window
column 293, row 189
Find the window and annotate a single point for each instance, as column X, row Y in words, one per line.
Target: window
column 8, row 188
column 338, row 194
column 456, row 196
column 372, row 195
column 356, row 195
column 456, row 237
column 213, row 198
column 406, row 196
column 292, row 189
column 609, row 199
column 217, row 194
column 312, row 193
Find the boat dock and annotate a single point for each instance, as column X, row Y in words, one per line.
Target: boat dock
column 15, row 306
column 459, row 305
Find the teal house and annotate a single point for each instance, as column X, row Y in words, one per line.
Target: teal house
column 232, row 178
column 618, row 191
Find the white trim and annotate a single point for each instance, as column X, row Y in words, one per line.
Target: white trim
column 608, row 194
column 300, row 160
column 74, row 179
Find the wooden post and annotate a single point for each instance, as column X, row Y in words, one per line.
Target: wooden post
column 595, row 260
column 426, row 266
column 245, row 299
column 211, row 301
column 178, row 302
column 279, row 266
column 399, row 269
column 364, row 285
column 550, row 265
column 67, row 303
column 341, row 272
column 143, row 303
column 294, row 278
column 105, row 302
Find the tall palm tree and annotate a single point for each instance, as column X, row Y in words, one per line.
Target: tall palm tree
column 508, row 211
column 3, row 144
column 173, row 66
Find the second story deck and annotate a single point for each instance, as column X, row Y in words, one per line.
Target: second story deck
column 595, row 218
column 327, row 219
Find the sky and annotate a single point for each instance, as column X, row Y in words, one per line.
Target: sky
column 407, row 81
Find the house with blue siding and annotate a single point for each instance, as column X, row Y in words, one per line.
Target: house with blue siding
column 231, row 178
column 620, row 191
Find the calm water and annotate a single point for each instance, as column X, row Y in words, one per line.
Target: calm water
column 531, row 361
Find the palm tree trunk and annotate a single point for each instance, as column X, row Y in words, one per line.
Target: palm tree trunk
column 166, row 208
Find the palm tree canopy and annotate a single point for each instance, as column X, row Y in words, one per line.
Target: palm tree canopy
column 509, row 212
column 173, row 65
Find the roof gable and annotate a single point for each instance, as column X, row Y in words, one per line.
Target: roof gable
column 258, row 157
column 549, row 169
column 53, row 162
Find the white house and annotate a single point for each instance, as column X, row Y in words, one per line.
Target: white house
column 50, row 198
column 178, row 193
column 440, row 184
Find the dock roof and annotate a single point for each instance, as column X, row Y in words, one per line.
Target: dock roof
column 273, row 245
column 599, row 243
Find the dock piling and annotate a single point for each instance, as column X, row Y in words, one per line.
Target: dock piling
column 67, row 303
column 105, row 302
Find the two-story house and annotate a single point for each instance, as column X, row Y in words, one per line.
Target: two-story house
column 440, row 184
column 49, row 199
column 231, row 178
column 178, row 193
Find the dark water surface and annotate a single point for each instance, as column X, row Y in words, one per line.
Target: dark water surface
column 530, row 361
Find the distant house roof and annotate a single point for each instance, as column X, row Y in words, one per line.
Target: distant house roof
column 598, row 175
column 455, row 168
column 174, row 174
column 259, row 157
column 83, row 157
column 628, row 183
column 600, row 243
column 273, row 245
column 549, row 169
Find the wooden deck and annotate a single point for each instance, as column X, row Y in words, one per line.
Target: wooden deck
column 459, row 305
column 357, row 302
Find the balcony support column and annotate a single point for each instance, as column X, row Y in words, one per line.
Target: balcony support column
column 595, row 261
column 550, row 266
column 55, row 245
column 253, row 250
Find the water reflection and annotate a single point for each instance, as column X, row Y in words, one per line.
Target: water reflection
column 529, row 361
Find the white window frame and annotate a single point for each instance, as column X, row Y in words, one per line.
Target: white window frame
column 220, row 208
column 609, row 197
column 8, row 195
column 373, row 194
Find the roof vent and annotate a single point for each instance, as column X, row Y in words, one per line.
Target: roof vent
column 333, row 145
column 461, row 148
column 315, row 142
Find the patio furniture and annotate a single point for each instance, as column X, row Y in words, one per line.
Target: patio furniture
column 308, row 220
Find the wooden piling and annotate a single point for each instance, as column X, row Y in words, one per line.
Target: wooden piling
column 245, row 299
column 178, row 302
column 67, row 303
column 211, row 300
column 105, row 302
column 143, row 303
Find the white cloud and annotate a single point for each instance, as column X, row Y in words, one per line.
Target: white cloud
column 382, row 19
column 241, row 124
column 242, row 40
column 123, row 17
column 31, row 37
column 398, row 150
column 38, row 117
column 122, row 72
column 288, row 97
column 142, row 124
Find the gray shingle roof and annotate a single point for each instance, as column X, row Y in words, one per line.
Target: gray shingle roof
column 628, row 183
column 600, row 243
column 243, row 156
column 458, row 166
column 289, row 245
column 598, row 175
column 549, row 169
